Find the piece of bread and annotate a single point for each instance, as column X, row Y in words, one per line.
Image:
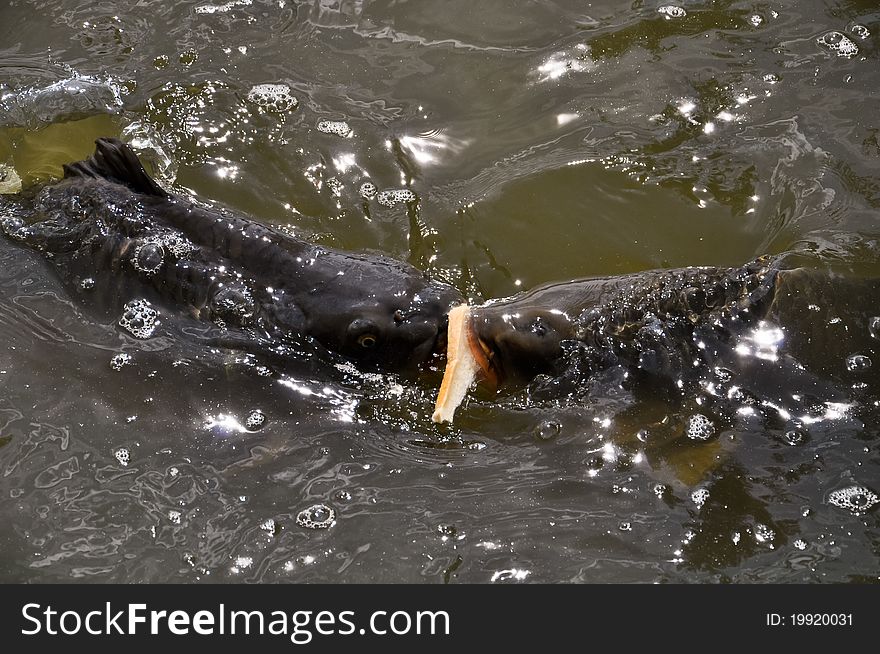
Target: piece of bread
column 461, row 365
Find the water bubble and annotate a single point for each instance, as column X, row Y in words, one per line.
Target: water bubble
column 856, row 499
column 269, row 526
column 255, row 420
column 87, row 284
column 800, row 544
column 139, row 319
column 699, row 427
column 840, row 43
column 671, row 11
column 874, row 327
column 368, row 190
column 857, row 362
column 547, row 430
column 860, row 31
column 317, row 516
column 148, row 257
column 123, row 456
column 120, row 360
column 391, row 197
column 337, row 127
column 175, row 243
column 699, row 497
column 276, row 98
column 796, row 436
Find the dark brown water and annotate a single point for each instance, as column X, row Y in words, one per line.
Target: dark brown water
column 544, row 141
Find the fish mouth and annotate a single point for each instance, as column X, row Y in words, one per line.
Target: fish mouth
column 468, row 358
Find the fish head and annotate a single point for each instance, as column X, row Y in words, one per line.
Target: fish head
column 385, row 331
column 513, row 342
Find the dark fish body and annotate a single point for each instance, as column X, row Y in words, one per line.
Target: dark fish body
column 109, row 224
column 674, row 325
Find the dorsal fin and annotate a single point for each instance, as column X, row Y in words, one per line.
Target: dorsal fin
column 116, row 162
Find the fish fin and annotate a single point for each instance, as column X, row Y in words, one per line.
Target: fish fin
column 116, row 162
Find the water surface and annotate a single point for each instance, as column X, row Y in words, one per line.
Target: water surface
column 543, row 141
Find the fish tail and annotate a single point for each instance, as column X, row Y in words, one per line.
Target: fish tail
column 116, row 162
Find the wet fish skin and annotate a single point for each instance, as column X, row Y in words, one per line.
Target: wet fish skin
column 108, row 218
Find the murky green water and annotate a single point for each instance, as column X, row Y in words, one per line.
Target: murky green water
column 544, row 140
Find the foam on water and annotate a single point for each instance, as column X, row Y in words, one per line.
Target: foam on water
column 699, row 497
column 120, row 360
column 275, row 98
column 148, row 257
column 222, row 9
column 671, row 11
column 839, row 43
column 368, row 190
column 858, row 362
column 123, row 456
column 699, row 427
column 860, row 31
column 139, row 319
column 856, row 499
column 337, row 127
column 317, row 516
column 390, row 197
column 255, row 420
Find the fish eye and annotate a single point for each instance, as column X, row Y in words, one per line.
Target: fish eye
column 364, row 332
column 366, row 340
